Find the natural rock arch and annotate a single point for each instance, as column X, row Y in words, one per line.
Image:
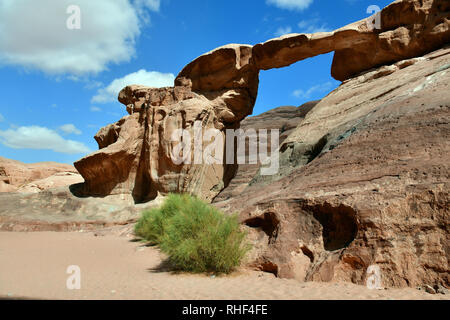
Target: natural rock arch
column 220, row 88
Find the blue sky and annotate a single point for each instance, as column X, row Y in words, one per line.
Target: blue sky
column 59, row 86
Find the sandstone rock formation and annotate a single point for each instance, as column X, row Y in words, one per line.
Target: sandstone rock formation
column 136, row 153
column 284, row 119
column 219, row 89
column 365, row 181
column 16, row 176
column 364, row 177
column 407, row 29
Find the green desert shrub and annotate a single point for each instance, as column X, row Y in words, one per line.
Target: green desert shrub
column 152, row 223
column 196, row 236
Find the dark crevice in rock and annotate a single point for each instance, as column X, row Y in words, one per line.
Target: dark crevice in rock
column 144, row 190
column 317, row 148
column 308, row 253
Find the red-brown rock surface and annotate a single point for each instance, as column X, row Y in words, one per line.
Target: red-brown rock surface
column 364, row 181
column 220, row 88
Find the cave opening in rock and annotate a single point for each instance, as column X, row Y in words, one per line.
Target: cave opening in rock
column 268, row 222
column 269, row 267
column 339, row 224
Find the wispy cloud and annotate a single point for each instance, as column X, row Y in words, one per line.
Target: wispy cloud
column 2, row 118
column 283, row 30
column 290, row 4
column 95, row 109
column 69, row 129
column 40, row 138
column 142, row 77
column 307, row 94
column 313, row 25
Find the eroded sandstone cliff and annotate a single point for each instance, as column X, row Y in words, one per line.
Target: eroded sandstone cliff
column 364, row 181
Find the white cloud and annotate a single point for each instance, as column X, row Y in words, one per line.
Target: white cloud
column 141, row 77
column 33, row 34
column 95, row 109
column 291, row 4
column 69, row 129
column 320, row 88
column 2, row 118
column 40, row 138
column 283, row 30
column 313, row 25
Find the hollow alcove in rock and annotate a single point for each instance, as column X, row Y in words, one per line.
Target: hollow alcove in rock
column 339, row 224
column 269, row 267
column 268, row 222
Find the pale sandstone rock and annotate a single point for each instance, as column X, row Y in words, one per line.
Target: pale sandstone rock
column 6, row 187
column 15, row 175
column 57, row 180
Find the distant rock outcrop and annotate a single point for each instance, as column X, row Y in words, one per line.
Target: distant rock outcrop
column 219, row 89
column 16, row 176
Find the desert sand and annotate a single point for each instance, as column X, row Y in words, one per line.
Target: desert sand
column 115, row 266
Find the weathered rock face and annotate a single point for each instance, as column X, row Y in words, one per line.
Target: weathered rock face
column 408, row 29
column 365, row 182
column 219, row 89
column 136, row 153
column 58, row 209
column 285, row 119
column 16, row 176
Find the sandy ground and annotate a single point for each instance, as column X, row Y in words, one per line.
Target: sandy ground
column 34, row 265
